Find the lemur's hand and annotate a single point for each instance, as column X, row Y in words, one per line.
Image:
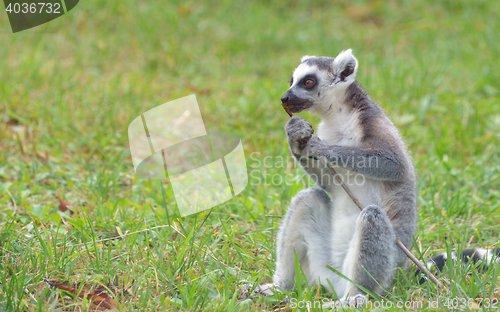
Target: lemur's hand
column 315, row 148
column 298, row 132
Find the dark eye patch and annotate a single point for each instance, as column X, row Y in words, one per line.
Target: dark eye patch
column 308, row 77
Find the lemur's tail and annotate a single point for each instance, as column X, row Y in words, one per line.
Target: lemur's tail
column 487, row 256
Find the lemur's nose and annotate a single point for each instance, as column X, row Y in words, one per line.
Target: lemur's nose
column 284, row 98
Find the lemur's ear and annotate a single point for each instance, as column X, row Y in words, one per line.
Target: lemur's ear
column 305, row 58
column 345, row 66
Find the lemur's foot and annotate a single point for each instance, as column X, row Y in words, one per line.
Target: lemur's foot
column 298, row 132
column 357, row 302
column 264, row 289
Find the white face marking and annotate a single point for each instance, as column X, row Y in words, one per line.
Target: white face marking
column 301, row 71
column 326, row 98
column 318, row 94
column 329, row 91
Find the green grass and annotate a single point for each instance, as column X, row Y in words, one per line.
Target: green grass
column 69, row 89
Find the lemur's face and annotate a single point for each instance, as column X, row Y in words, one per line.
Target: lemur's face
column 319, row 81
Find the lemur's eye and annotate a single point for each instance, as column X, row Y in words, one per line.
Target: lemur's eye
column 309, row 83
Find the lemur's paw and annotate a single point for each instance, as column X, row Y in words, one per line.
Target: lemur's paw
column 315, row 148
column 264, row 289
column 298, row 132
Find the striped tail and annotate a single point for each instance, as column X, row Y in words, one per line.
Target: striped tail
column 487, row 256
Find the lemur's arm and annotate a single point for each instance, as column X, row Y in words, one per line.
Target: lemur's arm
column 299, row 132
column 379, row 165
column 306, row 148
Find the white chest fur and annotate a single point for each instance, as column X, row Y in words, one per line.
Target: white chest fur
column 341, row 128
column 345, row 212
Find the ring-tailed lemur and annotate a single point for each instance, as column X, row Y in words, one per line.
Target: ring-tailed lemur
column 357, row 138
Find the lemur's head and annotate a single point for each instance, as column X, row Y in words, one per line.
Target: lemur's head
column 319, row 82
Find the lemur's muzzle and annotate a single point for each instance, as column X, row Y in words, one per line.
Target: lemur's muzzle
column 290, row 99
column 294, row 103
column 285, row 98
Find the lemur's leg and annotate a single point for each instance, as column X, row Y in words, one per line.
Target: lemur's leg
column 306, row 230
column 371, row 259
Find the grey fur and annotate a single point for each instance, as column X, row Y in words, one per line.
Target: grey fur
column 356, row 137
column 322, row 62
column 375, row 226
column 311, row 208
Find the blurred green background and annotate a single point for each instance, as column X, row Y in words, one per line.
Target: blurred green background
column 69, row 89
